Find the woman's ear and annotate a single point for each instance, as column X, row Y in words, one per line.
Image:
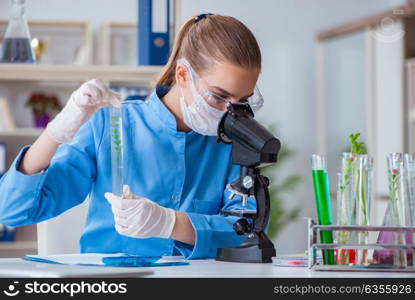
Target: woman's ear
column 182, row 76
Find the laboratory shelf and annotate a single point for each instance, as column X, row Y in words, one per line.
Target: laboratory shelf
column 32, row 132
column 17, row 248
column 29, row 72
column 18, row 245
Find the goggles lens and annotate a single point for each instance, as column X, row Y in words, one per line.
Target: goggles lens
column 217, row 101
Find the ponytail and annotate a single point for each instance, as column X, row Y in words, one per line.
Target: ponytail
column 169, row 71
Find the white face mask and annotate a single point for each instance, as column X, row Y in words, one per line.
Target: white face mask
column 200, row 116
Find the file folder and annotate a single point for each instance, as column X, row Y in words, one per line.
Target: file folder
column 153, row 32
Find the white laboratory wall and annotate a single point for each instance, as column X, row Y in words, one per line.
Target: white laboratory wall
column 286, row 32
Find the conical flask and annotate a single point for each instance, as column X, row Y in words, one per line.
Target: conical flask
column 16, row 44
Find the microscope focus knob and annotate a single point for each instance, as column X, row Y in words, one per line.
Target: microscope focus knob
column 241, row 226
column 248, row 182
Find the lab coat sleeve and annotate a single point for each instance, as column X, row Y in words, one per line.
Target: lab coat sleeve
column 215, row 231
column 28, row 199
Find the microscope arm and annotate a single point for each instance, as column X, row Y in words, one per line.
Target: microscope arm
column 262, row 198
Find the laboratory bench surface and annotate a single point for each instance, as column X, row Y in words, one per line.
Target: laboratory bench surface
column 197, row 269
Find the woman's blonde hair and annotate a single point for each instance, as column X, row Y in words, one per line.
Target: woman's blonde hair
column 207, row 38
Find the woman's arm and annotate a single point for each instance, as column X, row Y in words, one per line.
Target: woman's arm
column 82, row 104
column 39, row 155
column 32, row 198
column 183, row 230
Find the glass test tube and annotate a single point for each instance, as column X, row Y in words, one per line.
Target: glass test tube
column 409, row 167
column 322, row 198
column 362, row 181
column 397, row 203
column 345, row 207
column 116, row 130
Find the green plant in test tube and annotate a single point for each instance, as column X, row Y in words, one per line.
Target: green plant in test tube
column 116, row 150
column 344, row 207
column 322, row 198
column 354, row 197
column 362, row 179
column 397, row 196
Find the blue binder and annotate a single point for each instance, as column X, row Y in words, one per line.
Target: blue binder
column 153, row 32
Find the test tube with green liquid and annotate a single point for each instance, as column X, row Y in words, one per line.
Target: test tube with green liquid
column 322, row 197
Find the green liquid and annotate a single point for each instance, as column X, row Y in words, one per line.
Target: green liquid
column 322, row 197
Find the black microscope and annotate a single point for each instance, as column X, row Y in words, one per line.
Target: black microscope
column 253, row 147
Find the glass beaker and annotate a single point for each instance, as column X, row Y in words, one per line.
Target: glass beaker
column 16, row 46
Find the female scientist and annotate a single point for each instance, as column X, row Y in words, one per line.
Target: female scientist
column 175, row 173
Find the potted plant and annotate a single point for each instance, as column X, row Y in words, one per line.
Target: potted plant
column 44, row 107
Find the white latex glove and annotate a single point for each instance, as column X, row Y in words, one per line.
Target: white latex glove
column 82, row 104
column 140, row 217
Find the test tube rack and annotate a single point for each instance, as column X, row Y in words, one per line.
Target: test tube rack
column 314, row 245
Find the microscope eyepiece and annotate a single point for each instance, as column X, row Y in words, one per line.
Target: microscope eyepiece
column 253, row 144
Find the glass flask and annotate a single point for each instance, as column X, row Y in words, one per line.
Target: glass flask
column 401, row 175
column 16, row 44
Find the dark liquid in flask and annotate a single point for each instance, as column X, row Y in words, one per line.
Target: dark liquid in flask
column 17, row 50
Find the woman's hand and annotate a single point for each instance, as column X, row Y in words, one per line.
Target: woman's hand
column 82, row 104
column 140, row 217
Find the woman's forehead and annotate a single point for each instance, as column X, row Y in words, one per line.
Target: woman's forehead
column 235, row 80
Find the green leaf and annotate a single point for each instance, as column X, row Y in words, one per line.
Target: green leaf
column 356, row 147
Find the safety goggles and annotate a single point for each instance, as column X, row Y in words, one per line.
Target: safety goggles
column 216, row 100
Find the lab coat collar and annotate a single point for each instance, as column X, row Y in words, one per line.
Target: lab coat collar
column 162, row 112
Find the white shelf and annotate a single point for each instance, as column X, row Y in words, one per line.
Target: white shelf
column 18, row 245
column 17, row 249
column 33, row 132
column 29, row 72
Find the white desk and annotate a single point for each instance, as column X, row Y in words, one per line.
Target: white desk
column 212, row 268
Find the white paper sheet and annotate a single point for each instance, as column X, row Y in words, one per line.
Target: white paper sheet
column 74, row 259
column 89, row 258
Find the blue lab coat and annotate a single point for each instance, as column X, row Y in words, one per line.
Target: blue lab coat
column 184, row 171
